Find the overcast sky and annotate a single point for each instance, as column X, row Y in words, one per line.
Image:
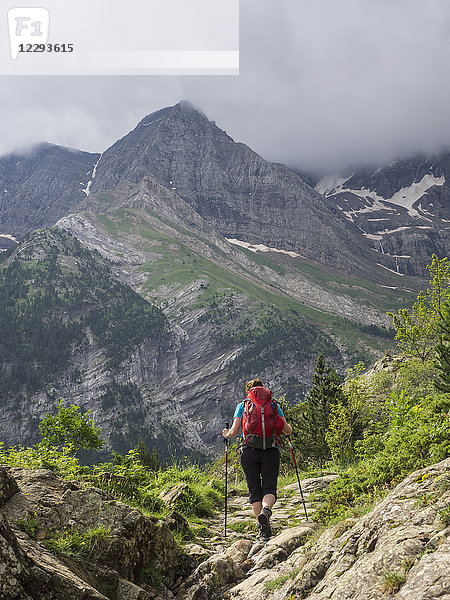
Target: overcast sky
column 323, row 83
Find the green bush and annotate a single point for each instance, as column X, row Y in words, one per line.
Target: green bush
column 60, row 461
column 417, row 435
column 70, row 427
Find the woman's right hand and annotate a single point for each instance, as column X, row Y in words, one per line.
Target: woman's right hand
column 225, row 432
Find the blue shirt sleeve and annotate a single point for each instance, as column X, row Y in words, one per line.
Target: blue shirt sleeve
column 239, row 411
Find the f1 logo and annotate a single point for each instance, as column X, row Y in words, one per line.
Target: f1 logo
column 27, row 26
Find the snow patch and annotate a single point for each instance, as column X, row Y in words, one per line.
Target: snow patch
column 396, row 230
column 86, row 190
column 331, row 184
column 373, row 236
column 405, row 197
column 262, row 248
column 391, row 270
column 8, row 237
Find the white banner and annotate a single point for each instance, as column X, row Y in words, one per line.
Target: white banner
column 126, row 37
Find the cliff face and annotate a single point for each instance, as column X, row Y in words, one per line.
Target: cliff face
column 74, row 329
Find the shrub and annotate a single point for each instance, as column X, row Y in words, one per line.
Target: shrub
column 418, row 435
column 61, row 462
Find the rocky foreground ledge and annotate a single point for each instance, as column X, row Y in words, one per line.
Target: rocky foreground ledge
column 400, row 549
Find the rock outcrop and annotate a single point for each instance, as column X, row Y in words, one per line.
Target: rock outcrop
column 400, row 549
column 121, row 544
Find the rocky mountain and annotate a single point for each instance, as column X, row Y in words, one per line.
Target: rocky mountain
column 71, row 330
column 402, row 208
column 234, row 189
column 241, row 195
column 226, row 311
column 39, row 187
column 250, row 269
column 400, row 211
column 400, row 549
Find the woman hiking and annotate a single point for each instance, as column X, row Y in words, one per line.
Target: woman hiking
column 263, row 422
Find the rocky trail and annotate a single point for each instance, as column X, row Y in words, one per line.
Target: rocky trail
column 400, row 549
column 288, row 512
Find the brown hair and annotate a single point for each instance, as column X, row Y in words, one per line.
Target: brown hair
column 253, row 383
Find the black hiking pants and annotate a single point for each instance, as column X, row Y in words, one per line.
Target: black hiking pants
column 261, row 471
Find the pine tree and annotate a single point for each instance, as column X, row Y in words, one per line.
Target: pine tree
column 311, row 419
column 147, row 458
column 443, row 350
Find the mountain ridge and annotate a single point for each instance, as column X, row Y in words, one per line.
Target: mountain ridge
column 229, row 185
column 236, row 191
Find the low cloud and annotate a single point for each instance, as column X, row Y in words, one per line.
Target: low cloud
column 322, row 84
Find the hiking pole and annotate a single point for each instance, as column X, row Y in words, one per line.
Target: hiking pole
column 298, row 478
column 227, row 426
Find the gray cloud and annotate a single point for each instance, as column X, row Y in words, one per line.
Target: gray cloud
column 323, row 83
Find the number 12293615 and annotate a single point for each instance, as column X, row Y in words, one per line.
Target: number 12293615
column 46, row 47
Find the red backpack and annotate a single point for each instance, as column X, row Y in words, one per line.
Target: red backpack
column 261, row 421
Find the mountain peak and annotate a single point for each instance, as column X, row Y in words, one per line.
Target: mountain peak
column 184, row 109
column 187, row 107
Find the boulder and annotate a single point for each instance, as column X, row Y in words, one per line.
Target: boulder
column 312, row 484
column 116, row 561
column 58, row 506
column 176, row 495
column 278, row 548
column 218, row 571
column 197, row 553
column 176, row 522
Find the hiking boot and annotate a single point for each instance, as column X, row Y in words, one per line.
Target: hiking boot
column 264, row 533
column 263, row 523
